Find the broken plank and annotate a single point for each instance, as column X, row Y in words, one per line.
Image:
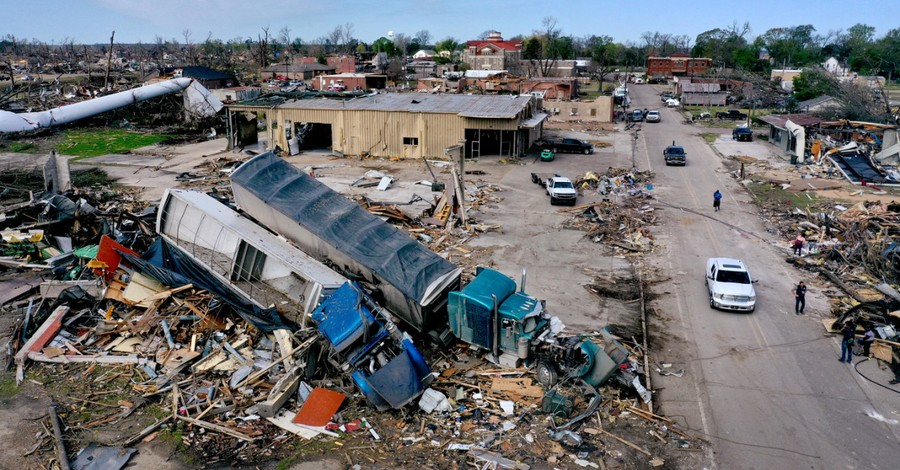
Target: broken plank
column 628, row 443
column 217, row 428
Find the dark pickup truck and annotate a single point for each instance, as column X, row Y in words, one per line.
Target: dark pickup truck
column 675, row 155
column 566, row 145
column 731, row 114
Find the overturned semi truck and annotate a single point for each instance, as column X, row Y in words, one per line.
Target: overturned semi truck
column 407, row 278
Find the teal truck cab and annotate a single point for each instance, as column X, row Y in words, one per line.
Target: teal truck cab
column 491, row 314
column 514, row 327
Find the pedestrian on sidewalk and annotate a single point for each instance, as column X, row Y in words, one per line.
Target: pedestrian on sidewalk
column 800, row 298
column 867, row 339
column 717, row 200
column 798, row 245
column 847, row 333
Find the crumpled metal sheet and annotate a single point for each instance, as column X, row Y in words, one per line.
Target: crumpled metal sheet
column 97, row 457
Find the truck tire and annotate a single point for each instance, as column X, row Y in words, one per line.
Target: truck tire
column 587, row 151
column 553, row 150
column 552, row 201
column 546, row 374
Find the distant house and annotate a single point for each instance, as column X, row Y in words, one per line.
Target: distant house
column 349, row 82
column 341, row 63
column 297, row 71
column 424, row 54
column 240, row 93
column 703, row 94
column 677, row 65
column 788, row 131
column 821, row 104
column 836, row 68
column 493, row 53
column 209, row 78
column 786, row 77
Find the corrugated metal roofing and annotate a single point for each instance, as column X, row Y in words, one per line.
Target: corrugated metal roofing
column 481, row 106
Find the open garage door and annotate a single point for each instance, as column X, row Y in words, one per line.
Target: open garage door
column 313, row 135
column 481, row 142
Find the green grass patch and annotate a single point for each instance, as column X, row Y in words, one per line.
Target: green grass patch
column 769, row 194
column 19, row 147
column 709, row 137
column 8, row 386
column 87, row 143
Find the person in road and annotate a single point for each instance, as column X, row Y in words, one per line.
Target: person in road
column 867, row 339
column 847, row 333
column 800, row 298
column 717, row 200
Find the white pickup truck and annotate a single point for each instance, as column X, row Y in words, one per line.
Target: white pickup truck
column 561, row 191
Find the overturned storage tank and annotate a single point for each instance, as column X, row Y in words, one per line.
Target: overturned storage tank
column 410, row 280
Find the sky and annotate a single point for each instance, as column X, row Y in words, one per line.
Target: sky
column 92, row 21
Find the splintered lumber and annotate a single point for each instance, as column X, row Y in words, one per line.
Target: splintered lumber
column 60, row 444
column 627, row 443
column 217, row 428
column 280, row 393
column 256, row 375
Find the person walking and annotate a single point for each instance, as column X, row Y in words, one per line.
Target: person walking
column 798, row 245
column 847, row 333
column 717, row 200
column 867, row 340
column 800, row 298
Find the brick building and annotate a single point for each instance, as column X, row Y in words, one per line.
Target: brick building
column 493, row 53
column 677, row 65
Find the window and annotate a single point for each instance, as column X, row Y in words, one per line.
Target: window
column 248, row 263
column 593, row 111
column 410, row 141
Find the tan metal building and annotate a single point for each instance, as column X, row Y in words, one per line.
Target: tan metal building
column 402, row 125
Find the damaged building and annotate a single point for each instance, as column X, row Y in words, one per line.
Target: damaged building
column 396, row 125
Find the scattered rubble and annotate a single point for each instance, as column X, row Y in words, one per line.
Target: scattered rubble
column 146, row 343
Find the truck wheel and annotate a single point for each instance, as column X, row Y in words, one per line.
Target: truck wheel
column 546, row 374
column 553, row 150
column 587, row 151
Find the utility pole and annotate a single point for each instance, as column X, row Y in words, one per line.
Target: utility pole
column 108, row 61
column 634, row 139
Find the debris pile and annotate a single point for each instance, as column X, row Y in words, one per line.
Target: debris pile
column 623, row 217
column 189, row 321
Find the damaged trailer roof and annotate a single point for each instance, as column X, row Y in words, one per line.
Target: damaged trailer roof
column 414, row 280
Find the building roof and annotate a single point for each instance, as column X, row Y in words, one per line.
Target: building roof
column 505, row 45
column 200, row 73
column 815, row 101
column 802, row 119
column 294, row 68
column 474, row 106
column 483, row 73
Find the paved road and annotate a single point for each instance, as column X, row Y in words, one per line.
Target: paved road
column 766, row 388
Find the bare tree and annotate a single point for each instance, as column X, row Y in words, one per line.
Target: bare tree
column 262, row 48
column 284, row 39
column 423, row 38
column 189, row 46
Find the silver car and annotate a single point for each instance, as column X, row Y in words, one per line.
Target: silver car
column 652, row 116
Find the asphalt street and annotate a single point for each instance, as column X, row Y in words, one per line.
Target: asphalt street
column 766, row 388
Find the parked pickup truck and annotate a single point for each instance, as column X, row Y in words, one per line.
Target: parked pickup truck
column 675, row 155
column 731, row 114
column 566, row 145
column 561, row 191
